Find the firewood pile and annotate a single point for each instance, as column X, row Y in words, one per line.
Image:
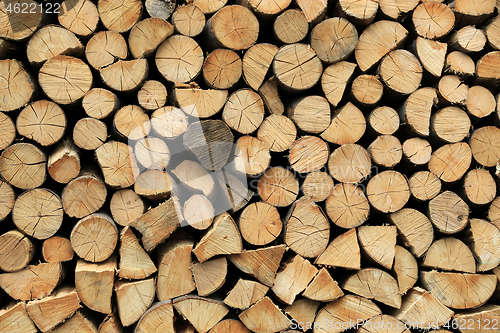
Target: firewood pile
column 249, row 166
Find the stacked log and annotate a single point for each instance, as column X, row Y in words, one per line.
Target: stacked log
column 249, row 166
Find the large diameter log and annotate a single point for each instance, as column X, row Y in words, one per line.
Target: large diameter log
column 424, row 185
column 244, row 111
column 278, row 187
column 278, row 132
column 291, row 26
column 339, row 132
column 79, row 16
column 414, row 229
column 260, row 223
column 222, row 69
column 119, row 18
column 133, row 299
column 426, row 17
column 42, row 121
column 188, row 20
column 18, row 26
column 343, row 251
column 23, row 165
column 308, row 154
column 179, row 59
column 388, row 191
column 450, row 254
column 401, row 72
column 17, row 87
column 347, row 206
column 448, row 212
column 450, row 124
column 310, row 113
column 89, row 133
column 16, row 251
column 485, row 145
column 117, row 164
column 104, row 48
column 146, row 36
column 451, row 161
column 334, row 39
column 84, row 195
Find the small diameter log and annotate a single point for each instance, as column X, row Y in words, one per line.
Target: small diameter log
column 244, row 111
column 154, row 185
column 33, row 282
column 487, row 73
column 42, row 121
column 406, row 269
column 197, row 102
column 343, row 251
column 260, row 223
column 323, row 287
column 308, row 154
column 480, row 102
column 458, row 63
column 310, row 113
column 94, row 238
column 147, row 35
column 401, row 72
column 388, row 191
column 65, row 79
column 419, row 306
column 467, row 12
column 198, row 212
column 278, row 187
column 152, row 153
column 414, row 229
column 169, row 122
column 135, row 263
column 424, row 185
column 222, row 69
column 152, row 96
column 366, row 90
column 397, row 9
column 133, row 299
column 379, row 242
column 386, row 151
column 7, row 201
column 297, row 67
column 18, row 26
column 99, row 103
column 230, row 325
column 347, row 309
column 417, row 151
column 293, row 279
column 256, row 63
column 448, row 212
column 57, row 249
column 262, row 263
column 389, row 36
column 479, row 186
column 450, row 254
column 125, row 76
column 64, row 162
column 50, row 311
column 451, row 161
column 23, row 165
column 210, row 275
column 251, row 156
column 89, row 133
column 17, row 87
column 277, row 132
column 195, row 177
column 334, row 39
column 188, row 20
column 431, row 54
column 460, row 290
column 175, row 277
column 245, row 293
column 291, row 26
column 314, row 10
column 94, row 284
column 223, row 237
column 452, row 90
column 51, row 41
column 119, row 18
column 481, row 239
column 334, row 80
column 7, row 131
column 104, row 48
column 84, row 195
column 79, row 16
column 350, row 163
column 202, row 313
column 339, row 132
column 417, row 110
column 16, row 251
column 485, row 145
column 38, row 213
column 264, row 316
column 159, row 317
column 450, row 124
column 374, row 283
column 160, row 9
column 270, row 95
column 78, row 323
column 117, row 165
column 318, row 185
column 234, row 27
column 347, row 206
column 468, row 40
column 16, row 318
column 426, row 17
column 111, row 324
column 478, row 318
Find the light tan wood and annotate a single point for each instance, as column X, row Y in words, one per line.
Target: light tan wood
column 195, row 177
column 64, row 162
column 18, row 26
column 16, row 251
column 367, row 90
column 494, row 212
column 318, row 185
column 261, row 263
column 417, row 151
column 198, row 102
column 223, row 237
column 334, row 39
column 65, row 79
column 469, row 13
column 334, row 80
column 468, row 40
column 397, row 9
column 251, row 155
column 188, row 20
column 133, row 299
column 487, row 73
column 481, row 239
column 7, row 131
column 256, row 63
column 245, row 293
column 57, row 249
column 424, row 185
column 266, row 9
column 111, row 324
column 244, row 111
column 264, row 316
column 229, row 325
column 76, row 324
column 485, row 145
column 270, row 95
column 16, row 318
column 50, row 311
column 125, row 75
column 477, row 319
column 260, row 223
column 308, row 154
column 420, row 306
column 198, row 212
column 431, row 54
column 169, row 122
column 492, row 31
column 174, row 269
column 89, row 133
column 160, row 316
column 119, row 18
column 295, row 276
column 38, row 213
column 152, row 96
column 84, row 195
column 310, row 114
column 147, row 35
column 417, row 110
column 386, row 151
column 314, row 10
column 452, row 90
column 278, row 187
column 479, row 186
column 278, row 132
column 323, row 287
column 376, row 284
column 401, row 72
column 115, row 156
column 379, row 242
column 94, row 237
column 79, row 16
column 23, row 165
column 202, row 313
column 17, row 86
column 297, row 67
column 210, row 275
column 347, row 206
column 135, row 263
column 376, row 41
column 388, row 191
column 152, row 153
column 460, row 290
column 42, row 121
column 451, row 161
column 460, row 64
column 154, row 185
column 234, row 27
column 291, row 26
column 448, row 212
column 343, row 251
column 210, row 6
column 339, row 132
column 406, row 269
column 94, row 284
column 480, row 102
column 450, row 124
column 104, row 48
column 51, row 41
column 450, row 254
column 222, row 69
column 415, row 230
column 426, row 17
column 7, row 199
column 359, row 12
